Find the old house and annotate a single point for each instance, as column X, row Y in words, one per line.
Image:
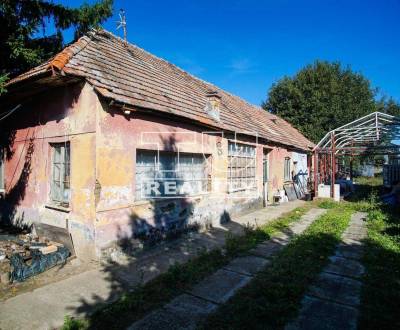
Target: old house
column 110, row 141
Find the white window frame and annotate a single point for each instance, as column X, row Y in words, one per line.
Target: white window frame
column 287, row 174
column 242, row 166
column 64, row 180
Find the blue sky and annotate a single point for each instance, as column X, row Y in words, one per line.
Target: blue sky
column 246, row 46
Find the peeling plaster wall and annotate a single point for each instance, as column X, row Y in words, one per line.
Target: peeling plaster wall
column 103, row 206
column 119, row 215
column 59, row 115
column 276, row 170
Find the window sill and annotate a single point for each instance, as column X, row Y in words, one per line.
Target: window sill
column 241, row 190
column 58, row 208
column 159, row 199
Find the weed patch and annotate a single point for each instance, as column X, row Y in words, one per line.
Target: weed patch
column 274, row 296
column 381, row 291
column 134, row 305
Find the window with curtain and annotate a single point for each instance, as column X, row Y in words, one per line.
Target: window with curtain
column 286, row 170
column 241, row 166
column 169, row 174
column 60, row 185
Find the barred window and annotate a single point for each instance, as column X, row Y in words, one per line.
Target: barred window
column 60, row 186
column 287, row 174
column 241, row 166
column 169, row 174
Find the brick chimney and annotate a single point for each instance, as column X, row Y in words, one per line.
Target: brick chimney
column 213, row 104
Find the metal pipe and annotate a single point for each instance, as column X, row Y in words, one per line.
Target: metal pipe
column 333, row 166
column 316, row 173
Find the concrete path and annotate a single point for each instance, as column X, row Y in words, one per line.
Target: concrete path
column 188, row 309
column 332, row 301
column 79, row 295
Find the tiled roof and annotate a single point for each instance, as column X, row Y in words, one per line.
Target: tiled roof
column 130, row 75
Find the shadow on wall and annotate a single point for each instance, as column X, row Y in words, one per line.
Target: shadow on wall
column 45, row 108
column 156, row 265
column 168, row 218
column 13, row 197
column 171, row 220
column 169, row 238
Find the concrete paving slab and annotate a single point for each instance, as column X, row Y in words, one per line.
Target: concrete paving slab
column 359, row 218
column 83, row 293
column 220, row 286
column 349, row 251
column 266, row 250
column 282, row 239
column 249, row 265
column 267, row 214
column 285, row 235
column 332, row 300
column 356, row 228
column 345, row 267
column 313, row 214
column 353, row 235
column 336, row 288
column 184, row 312
column 352, row 241
column 161, row 319
column 298, row 228
column 317, row 314
column 301, row 225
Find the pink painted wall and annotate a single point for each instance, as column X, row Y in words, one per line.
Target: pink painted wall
column 103, row 206
column 60, row 115
column 120, row 136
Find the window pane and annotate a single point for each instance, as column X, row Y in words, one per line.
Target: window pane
column 57, row 154
column 186, row 172
column 60, row 187
column 241, row 166
column 287, row 174
column 56, row 172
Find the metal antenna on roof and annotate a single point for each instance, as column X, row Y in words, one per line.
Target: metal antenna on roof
column 122, row 22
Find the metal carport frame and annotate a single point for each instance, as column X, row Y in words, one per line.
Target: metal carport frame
column 372, row 134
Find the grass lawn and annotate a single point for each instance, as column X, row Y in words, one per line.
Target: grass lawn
column 380, row 307
column 274, row 296
column 380, row 299
column 134, row 305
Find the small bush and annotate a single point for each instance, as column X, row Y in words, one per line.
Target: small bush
column 74, row 324
column 327, row 204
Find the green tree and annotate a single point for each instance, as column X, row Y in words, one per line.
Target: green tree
column 23, row 43
column 389, row 106
column 321, row 97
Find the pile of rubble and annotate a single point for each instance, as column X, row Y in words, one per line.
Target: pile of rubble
column 25, row 255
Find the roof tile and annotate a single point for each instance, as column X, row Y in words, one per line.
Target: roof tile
column 128, row 74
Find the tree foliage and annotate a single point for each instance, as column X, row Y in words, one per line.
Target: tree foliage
column 389, row 106
column 321, row 97
column 23, row 43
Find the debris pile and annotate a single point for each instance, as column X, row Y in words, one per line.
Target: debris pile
column 26, row 255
